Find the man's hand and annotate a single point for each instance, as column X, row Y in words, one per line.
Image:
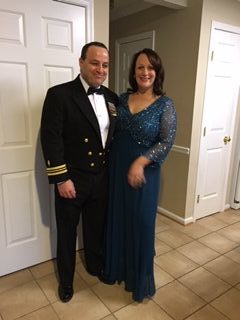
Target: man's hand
column 66, row 189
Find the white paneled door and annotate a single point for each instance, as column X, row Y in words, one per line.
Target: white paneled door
column 40, row 42
column 220, row 106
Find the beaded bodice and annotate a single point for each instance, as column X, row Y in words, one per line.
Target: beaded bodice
column 153, row 127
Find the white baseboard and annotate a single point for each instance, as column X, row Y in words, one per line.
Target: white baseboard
column 235, row 206
column 173, row 216
column 186, row 221
column 227, row 206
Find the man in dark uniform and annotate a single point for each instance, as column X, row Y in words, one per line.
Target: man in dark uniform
column 76, row 130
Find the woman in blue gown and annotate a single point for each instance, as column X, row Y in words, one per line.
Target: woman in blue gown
column 146, row 126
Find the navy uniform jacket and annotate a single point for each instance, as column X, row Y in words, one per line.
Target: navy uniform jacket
column 70, row 133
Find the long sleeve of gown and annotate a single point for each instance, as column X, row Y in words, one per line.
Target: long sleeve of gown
column 167, row 131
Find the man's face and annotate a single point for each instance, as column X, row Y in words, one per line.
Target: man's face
column 94, row 69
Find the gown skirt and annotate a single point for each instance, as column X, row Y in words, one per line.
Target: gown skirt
column 131, row 220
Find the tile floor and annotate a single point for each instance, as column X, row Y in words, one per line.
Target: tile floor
column 197, row 273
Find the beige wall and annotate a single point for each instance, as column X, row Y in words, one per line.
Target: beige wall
column 101, row 21
column 182, row 40
column 176, row 40
column 178, row 45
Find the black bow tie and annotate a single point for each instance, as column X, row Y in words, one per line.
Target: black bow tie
column 92, row 90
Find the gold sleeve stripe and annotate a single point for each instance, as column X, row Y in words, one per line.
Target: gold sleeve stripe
column 63, row 166
column 53, row 171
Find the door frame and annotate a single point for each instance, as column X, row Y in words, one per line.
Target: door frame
column 227, row 182
column 139, row 36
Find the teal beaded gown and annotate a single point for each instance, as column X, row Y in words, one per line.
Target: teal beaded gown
column 132, row 212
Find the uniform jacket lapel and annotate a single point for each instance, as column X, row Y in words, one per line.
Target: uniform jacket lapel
column 84, row 104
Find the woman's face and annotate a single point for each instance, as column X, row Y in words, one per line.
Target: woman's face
column 144, row 73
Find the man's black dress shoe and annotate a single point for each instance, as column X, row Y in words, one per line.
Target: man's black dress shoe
column 65, row 293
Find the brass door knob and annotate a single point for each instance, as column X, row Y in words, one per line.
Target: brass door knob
column 226, row 139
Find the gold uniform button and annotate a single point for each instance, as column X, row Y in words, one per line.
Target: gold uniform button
column 92, row 164
column 86, row 140
column 90, row 153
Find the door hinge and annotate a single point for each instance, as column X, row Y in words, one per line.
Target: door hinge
column 204, row 131
column 212, row 55
column 198, row 198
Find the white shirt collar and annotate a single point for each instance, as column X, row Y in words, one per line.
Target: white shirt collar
column 85, row 84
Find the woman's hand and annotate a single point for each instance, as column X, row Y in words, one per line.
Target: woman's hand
column 66, row 189
column 136, row 177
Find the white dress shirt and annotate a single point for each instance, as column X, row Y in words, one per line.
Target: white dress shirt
column 99, row 106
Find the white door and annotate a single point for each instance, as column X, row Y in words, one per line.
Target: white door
column 218, row 119
column 40, row 42
column 125, row 49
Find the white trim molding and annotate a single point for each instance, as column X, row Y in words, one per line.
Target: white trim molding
column 173, row 216
column 180, row 149
column 173, row 4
